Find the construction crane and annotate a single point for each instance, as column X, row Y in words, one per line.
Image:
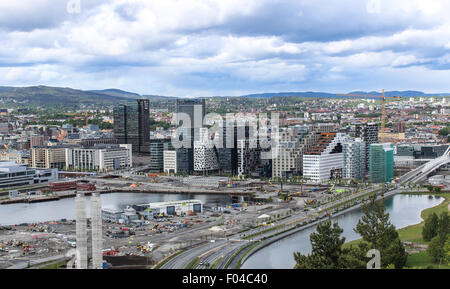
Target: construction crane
column 383, row 108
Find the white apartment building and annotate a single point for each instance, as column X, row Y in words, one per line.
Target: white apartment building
column 100, row 158
column 325, row 159
column 354, row 159
column 287, row 156
column 170, row 161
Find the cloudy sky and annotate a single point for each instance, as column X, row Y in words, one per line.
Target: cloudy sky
column 226, row 47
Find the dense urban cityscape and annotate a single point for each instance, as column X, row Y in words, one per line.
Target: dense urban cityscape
column 253, row 187
column 222, row 135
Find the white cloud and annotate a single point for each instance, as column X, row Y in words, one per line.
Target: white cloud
column 220, row 47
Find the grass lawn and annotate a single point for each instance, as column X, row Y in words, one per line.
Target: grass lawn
column 423, row 261
column 57, row 265
column 413, row 233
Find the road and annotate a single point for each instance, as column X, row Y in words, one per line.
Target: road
column 233, row 245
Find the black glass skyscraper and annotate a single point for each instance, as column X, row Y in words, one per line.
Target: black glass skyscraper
column 190, row 117
column 132, row 125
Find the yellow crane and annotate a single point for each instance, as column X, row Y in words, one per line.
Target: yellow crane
column 383, row 108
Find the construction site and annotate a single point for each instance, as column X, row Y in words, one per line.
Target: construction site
column 95, row 242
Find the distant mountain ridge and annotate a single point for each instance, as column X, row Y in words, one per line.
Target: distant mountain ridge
column 46, row 95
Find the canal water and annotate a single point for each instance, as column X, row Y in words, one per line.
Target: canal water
column 65, row 208
column 404, row 210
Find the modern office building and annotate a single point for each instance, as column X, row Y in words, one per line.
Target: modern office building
column 170, row 162
column 205, row 155
column 15, row 175
column 190, row 114
column 132, row 125
column 369, row 134
column 381, row 166
column 354, row 159
column 227, row 152
column 101, row 158
column 48, row 157
column 324, row 160
column 157, row 148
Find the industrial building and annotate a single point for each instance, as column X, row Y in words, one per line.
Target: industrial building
column 381, row 163
column 183, row 207
column 125, row 216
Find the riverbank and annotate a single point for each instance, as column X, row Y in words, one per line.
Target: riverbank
column 71, row 194
column 413, row 234
column 246, row 254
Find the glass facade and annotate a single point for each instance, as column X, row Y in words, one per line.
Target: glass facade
column 381, row 163
column 132, row 125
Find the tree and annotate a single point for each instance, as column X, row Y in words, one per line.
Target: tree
column 355, row 257
column 435, row 249
column 326, row 248
column 376, row 229
column 430, row 228
column 447, row 251
column 443, row 228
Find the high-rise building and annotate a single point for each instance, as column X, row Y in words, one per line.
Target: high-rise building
column 227, row 152
column 132, row 125
column 157, row 148
column 190, row 114
column 369, row 134
column 324, row 160
column 287, row 156
column 170, row 162
column 381, row 166
column 354, row 159
column 205, row 155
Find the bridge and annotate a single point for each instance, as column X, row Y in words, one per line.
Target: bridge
column 422, row 172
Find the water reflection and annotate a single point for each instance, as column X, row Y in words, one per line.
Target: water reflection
column 404, row 210
column 65, row 208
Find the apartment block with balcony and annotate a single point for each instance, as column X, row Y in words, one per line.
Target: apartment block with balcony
column 324, row 160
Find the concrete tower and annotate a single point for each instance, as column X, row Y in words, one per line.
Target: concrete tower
column 97, row 246
column 81, row 234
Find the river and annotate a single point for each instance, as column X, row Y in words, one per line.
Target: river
column 404, row 210
column 65, row 208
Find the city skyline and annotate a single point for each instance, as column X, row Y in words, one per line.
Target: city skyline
column 199, row 48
